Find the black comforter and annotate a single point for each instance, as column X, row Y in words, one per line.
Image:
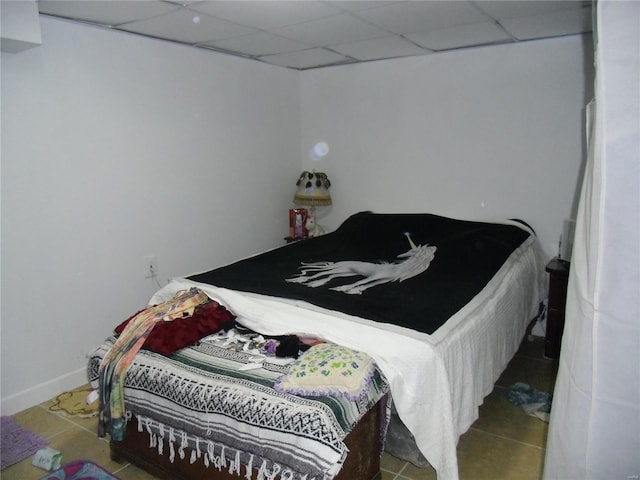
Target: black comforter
column 467, row 256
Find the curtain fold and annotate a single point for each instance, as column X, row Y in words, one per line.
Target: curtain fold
column 594, row 431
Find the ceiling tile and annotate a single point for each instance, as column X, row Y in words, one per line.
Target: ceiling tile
column 105, row 12
column 515, row 9
column 334, row 30
column 411, row 17
column 311, row 33
column 314, row 57
column 188, row 26
column 353, row 5
column 461, row 36
column 378, row 48
column 258, row 44
column 566, row 22
column 265, row 15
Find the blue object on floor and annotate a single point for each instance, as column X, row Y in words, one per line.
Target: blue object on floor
column 535, row 402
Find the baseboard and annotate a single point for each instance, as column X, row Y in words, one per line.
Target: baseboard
column 43, row 392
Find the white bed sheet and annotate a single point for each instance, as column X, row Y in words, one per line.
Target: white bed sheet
column 437, row 381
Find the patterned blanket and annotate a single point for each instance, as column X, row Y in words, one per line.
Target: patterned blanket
column 199, row 398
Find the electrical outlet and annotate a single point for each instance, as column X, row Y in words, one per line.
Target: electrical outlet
column 151, row 266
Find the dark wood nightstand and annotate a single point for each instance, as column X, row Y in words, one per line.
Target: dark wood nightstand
column 558, row 278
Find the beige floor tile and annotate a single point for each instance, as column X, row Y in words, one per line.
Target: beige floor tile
column 42, row 422
column 414, row 473
column 131, row 472
column 22, row 471
column 539, row 373
column 482, row 456
column 387, row 475
column 89, row 424
column 78, row 444
column 391, row 463
column 501, row 417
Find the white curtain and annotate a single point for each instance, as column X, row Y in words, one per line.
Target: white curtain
column 594, row 431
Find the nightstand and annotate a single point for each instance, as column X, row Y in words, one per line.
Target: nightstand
column 558, row 278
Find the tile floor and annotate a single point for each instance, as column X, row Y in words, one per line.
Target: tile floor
column 504, row 443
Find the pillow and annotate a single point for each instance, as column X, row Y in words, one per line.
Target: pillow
column 327, row 369
column 169, row 337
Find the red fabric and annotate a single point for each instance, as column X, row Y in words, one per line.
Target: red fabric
column 168, row 337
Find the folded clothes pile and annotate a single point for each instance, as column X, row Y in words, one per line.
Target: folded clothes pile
column 534, row 402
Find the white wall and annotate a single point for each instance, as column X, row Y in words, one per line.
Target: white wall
column 485, row 133
column 115, row 147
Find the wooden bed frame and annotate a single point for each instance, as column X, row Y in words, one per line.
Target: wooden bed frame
column 363, row 461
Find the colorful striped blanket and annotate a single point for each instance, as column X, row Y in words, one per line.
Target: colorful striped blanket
column 199, row 398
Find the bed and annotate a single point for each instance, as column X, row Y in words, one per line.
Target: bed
column 439, row 304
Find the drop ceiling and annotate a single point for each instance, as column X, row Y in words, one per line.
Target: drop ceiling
column 308, row 34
